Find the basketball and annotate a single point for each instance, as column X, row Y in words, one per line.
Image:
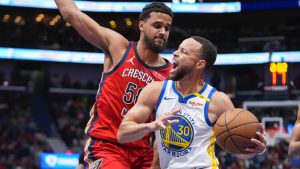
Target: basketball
column 234, row 130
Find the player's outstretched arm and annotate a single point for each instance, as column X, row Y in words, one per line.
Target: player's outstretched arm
column 91, row 31
column 133, row 126
column 294, row 147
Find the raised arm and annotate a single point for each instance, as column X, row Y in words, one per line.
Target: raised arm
column 133, row 126
column 294, row 147
column 109, row 41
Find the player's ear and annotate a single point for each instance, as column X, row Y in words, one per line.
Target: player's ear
column 141, row 25
column 201, row 64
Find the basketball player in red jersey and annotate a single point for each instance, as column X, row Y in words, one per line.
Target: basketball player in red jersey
column 128, row 67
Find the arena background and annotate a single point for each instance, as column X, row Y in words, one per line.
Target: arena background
column 49, row 74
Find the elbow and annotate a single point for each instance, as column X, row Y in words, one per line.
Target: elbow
column 120, row 137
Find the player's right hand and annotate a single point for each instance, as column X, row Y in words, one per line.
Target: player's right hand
column 163, row 121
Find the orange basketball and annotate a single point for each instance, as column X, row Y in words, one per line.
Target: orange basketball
column 234, row 129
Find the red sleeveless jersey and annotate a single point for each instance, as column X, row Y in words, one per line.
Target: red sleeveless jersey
column 118, row 92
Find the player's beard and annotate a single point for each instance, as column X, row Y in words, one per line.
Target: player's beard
column 179, row 74
column 156, row 48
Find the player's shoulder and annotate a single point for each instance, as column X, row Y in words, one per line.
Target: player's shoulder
column 153, row 89
column 155, row 85
column 221, row 101
column 220, row 96
column 150, row 93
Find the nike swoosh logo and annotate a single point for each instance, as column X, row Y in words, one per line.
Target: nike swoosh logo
column 169, row 98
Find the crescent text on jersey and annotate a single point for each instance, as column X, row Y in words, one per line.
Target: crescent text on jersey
column 137, row 74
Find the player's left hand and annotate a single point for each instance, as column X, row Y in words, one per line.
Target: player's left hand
column 259, row 148
column 260, row 142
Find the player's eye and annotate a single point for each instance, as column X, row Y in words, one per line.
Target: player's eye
column 167, row 28
column 183, row 51
column 157, row 25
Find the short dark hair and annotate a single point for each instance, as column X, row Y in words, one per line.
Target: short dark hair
column 155, row 7
column 209, row 51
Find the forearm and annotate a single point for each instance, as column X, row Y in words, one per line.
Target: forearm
column 66, row 4
column 294, row 148
column 83, row 24
column 130, row 131
column 67, row 8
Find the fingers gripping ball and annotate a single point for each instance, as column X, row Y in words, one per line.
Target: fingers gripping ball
column 234, row 130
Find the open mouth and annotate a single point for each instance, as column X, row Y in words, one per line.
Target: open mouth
column 160, row 40
column 174, row 65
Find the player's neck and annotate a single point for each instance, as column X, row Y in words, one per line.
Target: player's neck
column 187, row 87
column 148, row 56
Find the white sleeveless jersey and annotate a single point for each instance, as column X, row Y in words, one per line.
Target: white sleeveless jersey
column 189, row 144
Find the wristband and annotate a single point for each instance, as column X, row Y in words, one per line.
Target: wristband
column 263, row 151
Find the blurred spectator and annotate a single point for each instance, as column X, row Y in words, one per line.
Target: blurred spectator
column 66, row 81
column 20, row 139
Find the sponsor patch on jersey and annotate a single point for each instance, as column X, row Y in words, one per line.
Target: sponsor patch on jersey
column 195, row 104
column 177, row 138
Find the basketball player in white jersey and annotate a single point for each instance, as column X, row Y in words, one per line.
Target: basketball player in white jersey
column 294, row 147
column 186, row 108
